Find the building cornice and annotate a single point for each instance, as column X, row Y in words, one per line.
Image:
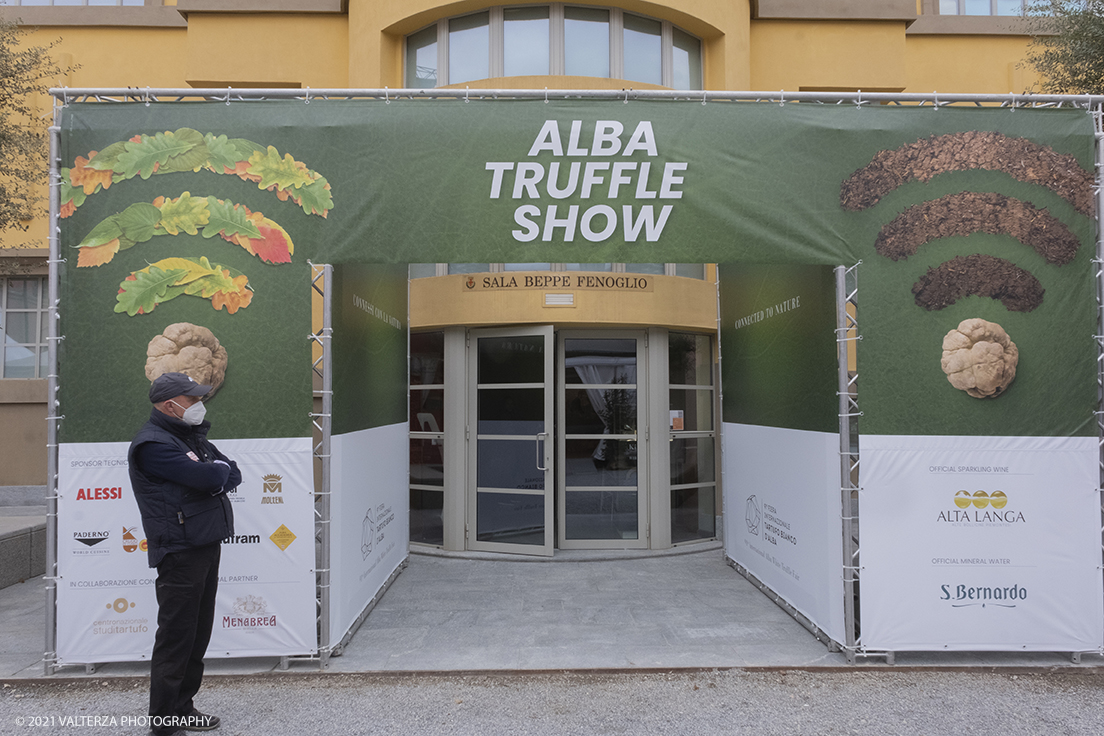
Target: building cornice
column 900, row 10
column 973, row 25
column 261, row 6
column 149, row 16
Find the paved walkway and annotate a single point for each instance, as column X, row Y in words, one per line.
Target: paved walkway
column 452, row 614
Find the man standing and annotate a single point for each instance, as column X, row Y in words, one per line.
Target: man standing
column 180, row 482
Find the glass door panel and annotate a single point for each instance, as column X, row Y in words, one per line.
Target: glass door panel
column 511, row 445
column 600, row 494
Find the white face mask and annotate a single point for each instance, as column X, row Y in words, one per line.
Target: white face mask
column 194, row 414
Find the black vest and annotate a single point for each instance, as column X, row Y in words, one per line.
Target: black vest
column 174, row 517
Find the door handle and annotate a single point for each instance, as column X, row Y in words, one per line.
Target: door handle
column 540, row 459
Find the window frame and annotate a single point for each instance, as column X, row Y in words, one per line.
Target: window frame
column 41, row 325
column 960, row 6
column 557, row 63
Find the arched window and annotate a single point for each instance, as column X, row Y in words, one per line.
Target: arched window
column 556, row 39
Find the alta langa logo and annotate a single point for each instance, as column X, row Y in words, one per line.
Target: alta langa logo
column 963, row 596
column 981, row 509
column 250, row 612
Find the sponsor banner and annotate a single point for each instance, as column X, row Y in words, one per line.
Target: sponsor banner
column 370, row 508
column 107, row 604
column 980, row 543
column 782, row 516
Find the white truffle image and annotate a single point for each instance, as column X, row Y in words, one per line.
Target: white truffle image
column 190, row 349
column 979, row 358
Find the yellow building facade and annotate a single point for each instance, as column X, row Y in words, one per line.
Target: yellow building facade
column 594, row 315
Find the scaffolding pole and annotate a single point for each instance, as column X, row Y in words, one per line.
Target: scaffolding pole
column 846, row 326
column 323, row 368
column 1098, row 121
column 53, row 419
column 227, row 95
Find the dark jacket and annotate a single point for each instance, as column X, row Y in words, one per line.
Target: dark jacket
column 181, row 491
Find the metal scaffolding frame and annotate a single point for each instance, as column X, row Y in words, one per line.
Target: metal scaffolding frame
column 1098, row 121
column 321, row 281
column 847, row 332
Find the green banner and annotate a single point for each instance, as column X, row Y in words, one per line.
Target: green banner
column 778, row 346
column 997, row 203
column 369, row 346
column 528, row 181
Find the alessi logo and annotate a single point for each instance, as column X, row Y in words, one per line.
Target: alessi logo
column 99, row 494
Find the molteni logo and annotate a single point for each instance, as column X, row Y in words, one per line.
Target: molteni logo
column 980, row 508
column 250, row 612
column 99, row 494
column 272, row 485
column 964, row 596
column 88, row 542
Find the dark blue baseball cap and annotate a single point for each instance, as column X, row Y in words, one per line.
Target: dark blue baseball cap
column 169, row 385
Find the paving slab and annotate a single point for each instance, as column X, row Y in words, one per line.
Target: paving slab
column 479, row 613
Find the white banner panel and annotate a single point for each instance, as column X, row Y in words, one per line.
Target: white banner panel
column 107, row 605
column 980, row 543
column 782, row 516
column 370, row 508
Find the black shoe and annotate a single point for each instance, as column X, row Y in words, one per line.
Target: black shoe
column 196, row 721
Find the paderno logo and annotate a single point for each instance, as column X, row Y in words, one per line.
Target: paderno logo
column 88, row 542
column 963, row 596
column 981, row 508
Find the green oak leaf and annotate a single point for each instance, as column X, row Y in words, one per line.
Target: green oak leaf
column 138, row 222
column 187, row 213
column 147, row 290
column 102, row 234
column 70, row 192
column 140, row 158
column 314, row 198
column 228, row 219
column 222, row 154
column 108, row 158
column 283, row 173
column 190, row 160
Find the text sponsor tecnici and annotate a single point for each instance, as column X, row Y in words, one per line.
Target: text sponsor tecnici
column 600, row 174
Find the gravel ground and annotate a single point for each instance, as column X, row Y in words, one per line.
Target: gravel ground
column 898, row 703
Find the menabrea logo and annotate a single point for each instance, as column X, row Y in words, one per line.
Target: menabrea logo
column 964, row 596
column 981, row 507
column 99, row 494
column 752, row 515
column 88, row 542
column 272, row 484
column 249, row 612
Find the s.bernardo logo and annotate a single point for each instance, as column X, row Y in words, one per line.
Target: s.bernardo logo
column 963, row 596
column 988, row 509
